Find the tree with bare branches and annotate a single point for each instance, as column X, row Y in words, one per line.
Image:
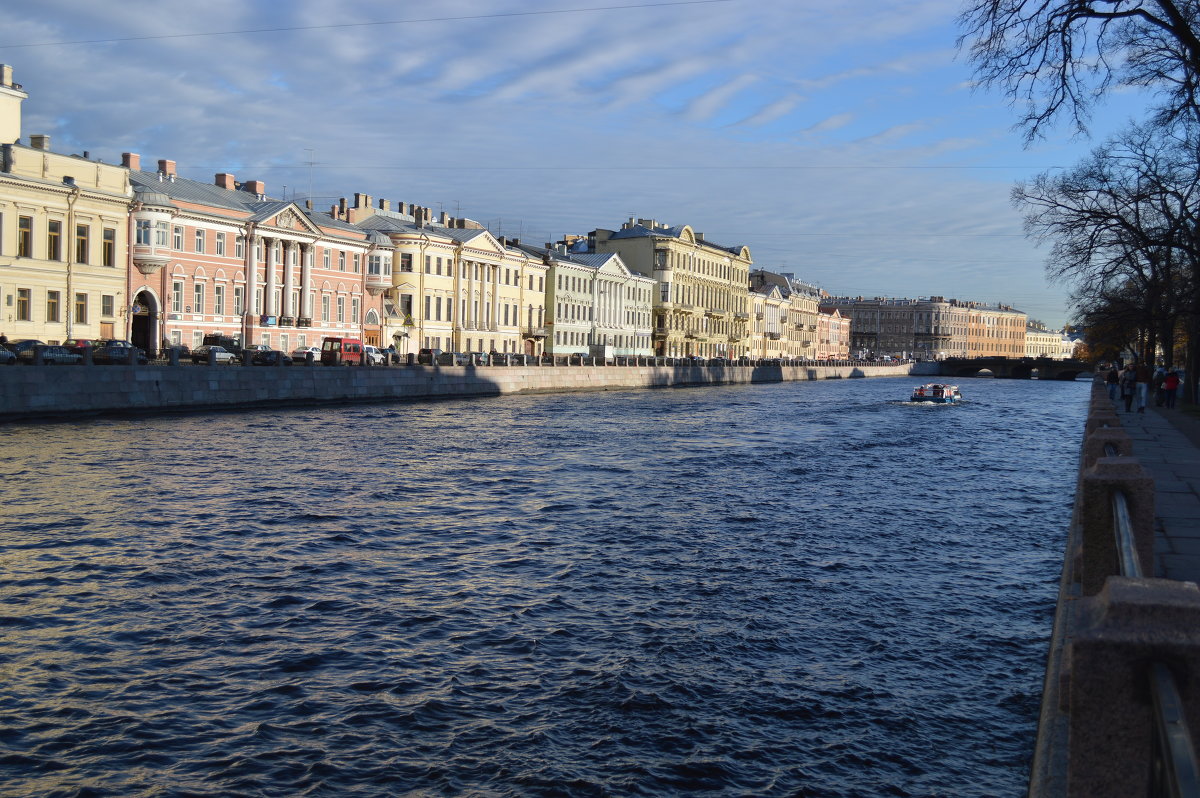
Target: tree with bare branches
column 1059, row 57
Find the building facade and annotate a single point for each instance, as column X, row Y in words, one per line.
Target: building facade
column 931, row 329
column 223, row 258
column 702, row 298
column 64, row 236
column 456, row 287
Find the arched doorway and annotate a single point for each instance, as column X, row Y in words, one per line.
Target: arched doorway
column 143, row 327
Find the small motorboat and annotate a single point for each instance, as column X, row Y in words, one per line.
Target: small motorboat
column 937, row 393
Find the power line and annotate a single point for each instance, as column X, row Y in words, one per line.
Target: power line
column 626, row 167
column 369, row 24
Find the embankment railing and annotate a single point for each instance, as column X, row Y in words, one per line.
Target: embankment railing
column 1173, row 769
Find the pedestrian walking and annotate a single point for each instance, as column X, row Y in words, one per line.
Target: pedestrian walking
column 1128, row 383
column 1171, row 387
column 1142, row 375
column 1113, row 381
column 1156, row 383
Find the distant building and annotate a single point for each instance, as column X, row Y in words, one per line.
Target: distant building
column 933, row 328
column 1041, row 341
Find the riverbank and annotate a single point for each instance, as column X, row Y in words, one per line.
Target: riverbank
column 28, row 393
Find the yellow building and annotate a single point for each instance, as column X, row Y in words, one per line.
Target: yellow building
column 64, row 236
column 702, row 302
column 456, row 287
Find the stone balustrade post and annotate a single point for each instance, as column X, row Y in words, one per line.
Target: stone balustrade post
column 173, row 356
column 87, row 355
column 1094, row 444
column 1095, row 516
column 1121, row 631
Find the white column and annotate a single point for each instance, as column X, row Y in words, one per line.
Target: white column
column 308, row 252
column 269, row 307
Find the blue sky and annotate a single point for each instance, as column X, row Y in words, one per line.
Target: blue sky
column 842, row 142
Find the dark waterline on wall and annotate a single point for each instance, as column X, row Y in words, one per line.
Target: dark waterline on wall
column 785, row 589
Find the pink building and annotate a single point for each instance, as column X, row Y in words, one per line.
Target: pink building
column 833, row 334
column 224, row 258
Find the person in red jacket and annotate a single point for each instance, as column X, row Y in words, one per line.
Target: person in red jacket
column 1171, row 386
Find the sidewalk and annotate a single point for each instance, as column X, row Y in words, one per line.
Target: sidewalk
column 1167, row 444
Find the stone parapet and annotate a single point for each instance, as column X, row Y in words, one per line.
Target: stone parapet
column 28, row 392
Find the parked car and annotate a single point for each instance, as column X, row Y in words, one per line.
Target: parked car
column 300, row 354
column 270, row 358
column 77, row 344
column 222, row 355
column 54, row 356
column 374, row 356
column 478, row 358
column 256, row 348
column 427, row 357
column 7, row 358
column 110, row 352
column 227, row 342
column 454, row 358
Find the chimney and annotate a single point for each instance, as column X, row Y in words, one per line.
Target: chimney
column 516, row 242
column 385, row 205
column 341, row 209
column 39, row 141
column 256, row 187
column 444, row 218
column 503, row 241
column 400, row 207
column 131, row 160
column 225, row 180
column 166, row 167
column 362, row 200
column 308, row 205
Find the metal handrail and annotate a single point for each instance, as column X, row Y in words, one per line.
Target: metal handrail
column 1174, row 771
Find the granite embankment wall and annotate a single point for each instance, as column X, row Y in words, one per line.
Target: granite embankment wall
column 28, row 392
column 1118, row 633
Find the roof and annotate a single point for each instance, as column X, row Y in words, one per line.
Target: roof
column 641, row 231
column 193, row 191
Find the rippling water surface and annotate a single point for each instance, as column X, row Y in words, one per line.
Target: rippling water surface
column 805, row 589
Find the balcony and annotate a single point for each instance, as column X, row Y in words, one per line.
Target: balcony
column 714, row 313
column 759, row 316
column 743, row 316
column 376, row 284
column 774, row 336
column 659, row 334
column 533, row 332
column 148, row 260
column 287, row 321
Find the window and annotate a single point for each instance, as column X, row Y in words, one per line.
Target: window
column 239, row 300
column 198, row 298
column 239, row 247
column 220, row 243
column 354, row 310
column 108, row 304
column 177, row 296
column 437, row 308
column 428, row 304
column 54, row 240
column 428, row 264
column 81, row 308
column 341, row 309
column 25, row 237
column 325, row 307
column 24, row 297
column 406, row 264
column 53, row 299
column 357, row 264
column 109, row 255
column 81, row 243
column 219, row 300
column 341, row 261
column 326, row 259
column 200, row 241
column 438, row 266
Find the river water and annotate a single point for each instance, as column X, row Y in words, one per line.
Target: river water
column 801, row 589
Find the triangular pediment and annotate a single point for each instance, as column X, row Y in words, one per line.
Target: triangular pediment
column 286, row 216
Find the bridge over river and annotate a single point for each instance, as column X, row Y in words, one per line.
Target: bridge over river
column 1012, row 368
